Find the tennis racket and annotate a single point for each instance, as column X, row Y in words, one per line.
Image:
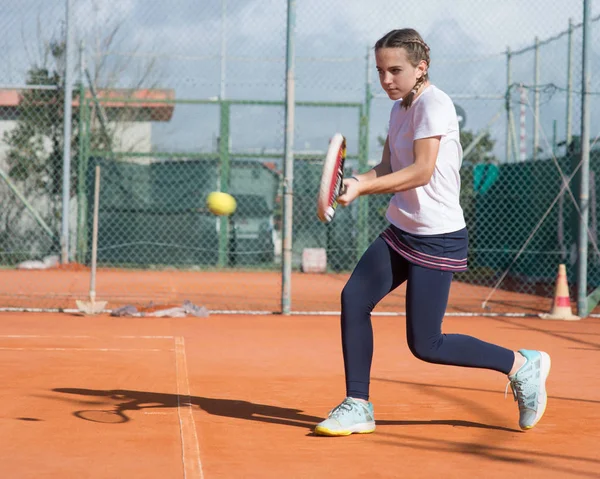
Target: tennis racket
column 332, row 185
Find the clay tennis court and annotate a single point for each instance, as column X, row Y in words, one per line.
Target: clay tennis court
column 236, row 396
column 231, row 290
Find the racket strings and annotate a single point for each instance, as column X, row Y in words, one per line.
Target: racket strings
column 332, row 178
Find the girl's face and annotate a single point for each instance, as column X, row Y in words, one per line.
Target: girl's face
column 396, row 73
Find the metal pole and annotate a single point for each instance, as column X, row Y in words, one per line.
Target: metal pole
column 81, row 167
column 95, row 234
column 367, row 113
column 68, row 103
column 363, row 159
column 536, row 104
column 569, row 86
column 585, row 164
column 223, row 48
column 554, row 139
column 522, row 123
column 224, row 180
column 288, row 167
column 508, row 107
column 513, row 141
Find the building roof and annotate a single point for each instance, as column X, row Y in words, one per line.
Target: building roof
column 9, row 98
column 144, row 105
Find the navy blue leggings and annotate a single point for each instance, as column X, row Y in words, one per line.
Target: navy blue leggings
column 380, row 271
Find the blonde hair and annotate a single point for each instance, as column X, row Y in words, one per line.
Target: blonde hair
column 417, row 51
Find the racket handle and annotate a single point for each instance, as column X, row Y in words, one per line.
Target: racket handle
column 344, row 188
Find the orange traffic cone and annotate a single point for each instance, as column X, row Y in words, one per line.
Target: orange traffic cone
column 561, row 307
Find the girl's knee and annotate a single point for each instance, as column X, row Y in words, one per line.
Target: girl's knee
column 351, row 296
column 428, row 350
column 354, row 298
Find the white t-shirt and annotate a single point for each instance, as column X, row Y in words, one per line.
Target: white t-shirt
column 433, row 208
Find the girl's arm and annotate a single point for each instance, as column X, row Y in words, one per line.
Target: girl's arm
column 383, row 168
column 413, row 176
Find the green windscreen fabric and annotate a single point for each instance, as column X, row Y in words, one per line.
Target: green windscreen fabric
column 520, row 204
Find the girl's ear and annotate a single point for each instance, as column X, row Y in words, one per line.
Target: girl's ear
column 422, row 67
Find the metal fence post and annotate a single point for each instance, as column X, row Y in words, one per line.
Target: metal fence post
column 288, row 168
column 508, row 106
column 224, row 169
column 569, row 119
column 582, row 308
column 82, row 139
column 363, row 159
column 536, row 101
column 68, row 104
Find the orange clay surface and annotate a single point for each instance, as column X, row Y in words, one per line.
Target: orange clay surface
column 237, row 397
column 229, row 290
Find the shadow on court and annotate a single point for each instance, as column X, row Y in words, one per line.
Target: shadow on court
column 555, row 334
column 431, row 387
column 121, row 402
column 564, row 464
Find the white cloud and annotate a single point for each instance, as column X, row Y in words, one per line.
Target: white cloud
column 467, row 37
column 493, row 24
column 102, row 12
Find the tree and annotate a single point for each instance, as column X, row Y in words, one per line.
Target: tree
column 482, row 152
column 34, row 157
column 35, row 145
column 34, row 160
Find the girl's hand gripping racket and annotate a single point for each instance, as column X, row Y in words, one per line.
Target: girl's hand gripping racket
column 332, row 185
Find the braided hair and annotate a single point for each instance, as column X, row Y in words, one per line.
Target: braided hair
column 417, row 51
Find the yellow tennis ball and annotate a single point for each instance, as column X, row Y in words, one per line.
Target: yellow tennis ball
column 221, row 204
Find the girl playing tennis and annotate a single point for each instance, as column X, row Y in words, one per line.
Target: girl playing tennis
column 425, row 244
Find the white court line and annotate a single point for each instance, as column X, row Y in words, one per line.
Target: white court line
column 85, row 349
column 403, row 313
column 192, row 465
column 145, row 337
column 41, row 336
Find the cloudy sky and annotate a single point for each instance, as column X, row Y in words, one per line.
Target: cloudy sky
column 180, row 41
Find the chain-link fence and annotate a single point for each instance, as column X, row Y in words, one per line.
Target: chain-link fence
column 175, row 100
